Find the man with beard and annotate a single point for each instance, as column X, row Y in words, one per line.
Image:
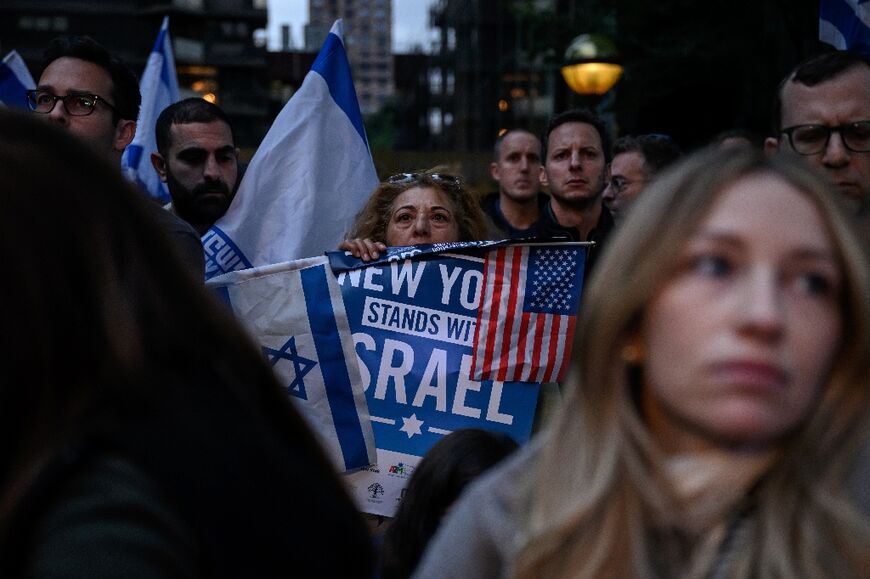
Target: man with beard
column 198, row 160
column 576, row 153
column 514, row 210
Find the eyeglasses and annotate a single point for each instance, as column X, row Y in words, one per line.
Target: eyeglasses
column 76, row 105
column 440, row 178
column 618, row 184
column 813, row 139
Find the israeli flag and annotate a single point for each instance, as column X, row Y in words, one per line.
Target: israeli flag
column 296, row 313
column 845, row 24
column 159, row 87
column 15, row 80
column 309, row 178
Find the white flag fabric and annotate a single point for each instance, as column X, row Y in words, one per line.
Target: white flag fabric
column 309, row 178
column 15, row 80
column 159, row 88
column 296, row 313
column 845, row 24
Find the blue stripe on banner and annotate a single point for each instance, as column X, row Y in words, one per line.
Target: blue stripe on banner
column 333, row 66
column 843, row 17
column 11, row 89
column 333, row 366
column 221, row 254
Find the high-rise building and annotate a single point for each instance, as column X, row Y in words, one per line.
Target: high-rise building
column 368, row 38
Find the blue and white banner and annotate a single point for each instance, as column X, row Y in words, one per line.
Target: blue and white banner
column 15, row 80
column 159, row 87
column 845, row 24
column 309, row 178
column 413, row 324
column 295, row 312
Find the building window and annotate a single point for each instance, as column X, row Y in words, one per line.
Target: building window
column 435, row 80
column 435, row 124
column 451, row 39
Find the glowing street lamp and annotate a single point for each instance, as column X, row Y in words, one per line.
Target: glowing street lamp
column 590, row 65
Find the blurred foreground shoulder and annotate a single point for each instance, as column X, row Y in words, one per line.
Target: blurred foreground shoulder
column 479, row 537
column 110, row 520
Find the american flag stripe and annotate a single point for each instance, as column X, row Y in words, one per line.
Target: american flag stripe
column 518, row 257
column 503, row 275
column 558, row 352
column 523, row 351
column 490, row 307
column 546, row 347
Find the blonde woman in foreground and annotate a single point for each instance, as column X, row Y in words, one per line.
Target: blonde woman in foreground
column 718, row 402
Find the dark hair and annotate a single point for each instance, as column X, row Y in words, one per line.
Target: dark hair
column 816, row 70
column 372, row 221
column 125, row 86
column 577, row 116
column 658, row 151
column 189, row 110
column 449, row 466
column 497, row 147
column 116, row 342
column 738, row 133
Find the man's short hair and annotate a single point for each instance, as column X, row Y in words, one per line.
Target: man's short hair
column 496, row 149
column 189, row 110
column 816, row 70
column 125, row 86
column 658, row 151
column 578, row 116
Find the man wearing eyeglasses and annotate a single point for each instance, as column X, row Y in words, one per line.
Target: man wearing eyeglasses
column 85, row 89
column 89, row 91
column 636, row 160
column 823, row 116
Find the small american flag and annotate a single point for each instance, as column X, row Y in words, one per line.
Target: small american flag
column 526, row 319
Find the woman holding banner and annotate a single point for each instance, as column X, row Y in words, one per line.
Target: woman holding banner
column 718, row 403
column 141, row 432
column 413, row 209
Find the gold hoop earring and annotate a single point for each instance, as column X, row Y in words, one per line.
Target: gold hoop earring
column 632, row 354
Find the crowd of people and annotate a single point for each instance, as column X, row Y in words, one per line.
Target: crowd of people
column 715, row 421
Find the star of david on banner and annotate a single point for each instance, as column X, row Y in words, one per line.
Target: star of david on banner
column 302, row 366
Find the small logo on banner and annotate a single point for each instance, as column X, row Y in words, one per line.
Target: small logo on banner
column 401, row 469
column 301, row 366
column 221, row 254
column 376, row 490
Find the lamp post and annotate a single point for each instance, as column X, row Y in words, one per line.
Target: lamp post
column 591, row 66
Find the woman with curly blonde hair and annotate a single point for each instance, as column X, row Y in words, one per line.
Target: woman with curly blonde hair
column 416, row 208
column 718, row 399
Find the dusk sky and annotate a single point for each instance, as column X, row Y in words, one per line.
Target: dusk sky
column 410, row 18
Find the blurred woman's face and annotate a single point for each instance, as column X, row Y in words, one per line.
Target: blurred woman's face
column 422, row 215
column 740, row 340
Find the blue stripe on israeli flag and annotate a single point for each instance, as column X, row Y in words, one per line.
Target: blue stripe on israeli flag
column 159, row 87
column 333, row 365
column 845, row 24
column 310, row 176
column 333, row 66
column 15, row 81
